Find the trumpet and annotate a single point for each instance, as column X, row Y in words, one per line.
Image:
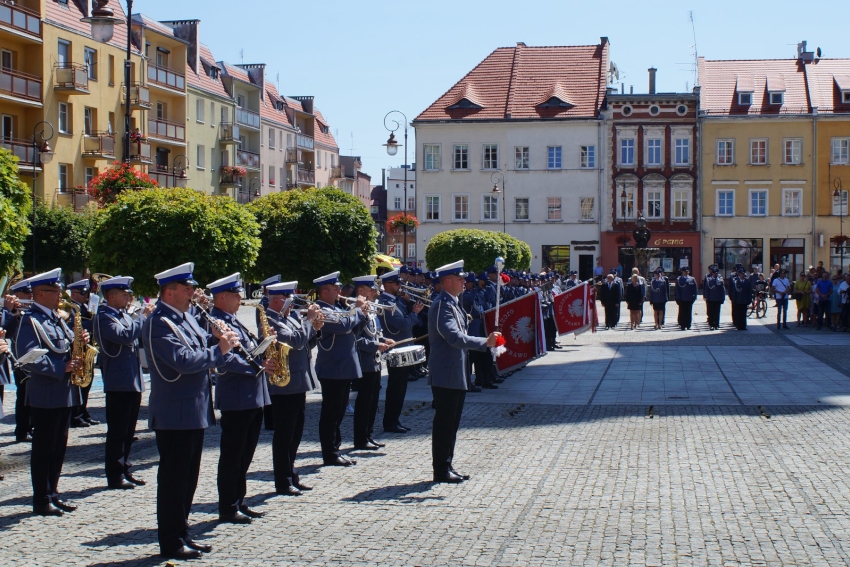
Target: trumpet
column 331, row 316
column 371, row 306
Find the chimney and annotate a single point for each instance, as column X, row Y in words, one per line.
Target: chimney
column 652, row 71
column 521, row 44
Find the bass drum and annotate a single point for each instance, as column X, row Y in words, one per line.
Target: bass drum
column 406, row 356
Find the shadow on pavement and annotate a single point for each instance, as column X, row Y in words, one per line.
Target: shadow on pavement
column 401, row 492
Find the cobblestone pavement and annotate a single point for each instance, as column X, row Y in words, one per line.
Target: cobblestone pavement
column 624, row 448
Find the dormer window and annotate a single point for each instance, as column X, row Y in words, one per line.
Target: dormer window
column 845, row 97
column 555, row 102
column 745, row 99
column 744, row 86
column 214, row 72
column 464, row 103
column 776, row 89
column 777, row 98
column 843, row 84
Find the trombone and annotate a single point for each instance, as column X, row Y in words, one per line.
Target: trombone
column 417, row 294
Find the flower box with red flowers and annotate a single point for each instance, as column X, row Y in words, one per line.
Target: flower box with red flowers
column 401, row 221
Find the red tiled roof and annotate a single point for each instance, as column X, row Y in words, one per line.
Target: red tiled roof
column 201, row 80
column 293, row 103
column 235, row 72
column 320, row 137
column 512, row 81
column 826, row 79
column 268, row 111
column 151, row 24
column 69, row 16
column 720, row 79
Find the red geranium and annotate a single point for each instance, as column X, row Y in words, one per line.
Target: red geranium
column 401, row 220
column 108, row 184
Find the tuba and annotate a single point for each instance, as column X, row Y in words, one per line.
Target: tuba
column 277, row 351
column 81, row 351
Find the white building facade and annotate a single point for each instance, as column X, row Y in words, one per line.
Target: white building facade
column 395, row 205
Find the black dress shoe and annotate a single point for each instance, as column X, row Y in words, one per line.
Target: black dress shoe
column 184, row 552
column 64, row 506
column 498, row 380
column 373, row 442
column 79, row 422
column 461, row 475
column 25, row 439
column 290, row 490
column 406, row 428
column 91, row 421
column 234, row 518
column 121, row 485
column 413, row 377
column 395, row 429
column 47, row 510
column 250, row 513
column 301, row 486
column 448, row 477
column 474, row 388
column 490, row 386
column 339, row 461
column 202, row 547
column 367, row 446
column 134, row 480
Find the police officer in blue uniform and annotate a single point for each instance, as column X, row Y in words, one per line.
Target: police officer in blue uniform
column 337, row 364
column 472, row 301
column 450, row 341
column 714, row 293
column 685, row 293
column 117, row 335
column 11, row 320
column 397, row 326
column 741, row 295
column 80, row 292
column 49, row 391
column 290, row 402
column 573, row 281
column 180, row 405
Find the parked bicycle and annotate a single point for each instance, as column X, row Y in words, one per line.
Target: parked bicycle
column 758, row 305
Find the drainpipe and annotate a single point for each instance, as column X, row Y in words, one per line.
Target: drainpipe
column 600, row 181
column 814, row 183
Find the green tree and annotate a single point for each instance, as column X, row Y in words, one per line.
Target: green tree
column 15, row 208
column 478, row 249
column 308, row 233
column 146, row 232
column 61, row 239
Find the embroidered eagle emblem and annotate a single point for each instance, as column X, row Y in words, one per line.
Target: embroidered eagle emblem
column 522, row 331
column 576, row 308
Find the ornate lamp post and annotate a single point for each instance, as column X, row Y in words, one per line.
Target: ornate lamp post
column 496, row 177
column 838, row 197
column 254, row 188
column 41, row 155
column 392, row 149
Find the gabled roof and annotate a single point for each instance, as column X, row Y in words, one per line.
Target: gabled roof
column 235, row 72
column 69, row 17
column 720, row 81
column 201, row 80
column 517, row 82
column 151, row 24
column 320, row 137
column 296, row 104
column 826, row 79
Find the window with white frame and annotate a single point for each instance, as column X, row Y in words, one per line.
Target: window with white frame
column 793, row 154
column 792, row 202
column 213, row 154
column 587, row 212
column 212, row 113
column 840, row 151
column 758, row 152
column 588, row 157
column 90, row 174
column 553, row 208
column 89, row 125
column 64, row 176
column 411, row 203
column 90, row 57
column 432, row 207
column 432, row 157
column 654, row 202
column 653, row 151
column 397, row 203
column 521, row 209
column 627, row 151
column 318, row 159
column 199, row 110
column 554, row 157
column 490, row 208
column 64, row 118
column 201, row 157
column 461, row 208
column 491, row 156
column 758, row 202
column 683, row 151
column 681, row 202
column 521, row 160
column 411, row 250
column 282, row 177
column 461, row 157
column 271, row 176
column 839, row 203
column 271, row 141
column 725, row 152
column 626, row 207
column 725, row 202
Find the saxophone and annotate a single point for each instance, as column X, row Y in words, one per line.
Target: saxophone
column 277, row 351
column 81, row 351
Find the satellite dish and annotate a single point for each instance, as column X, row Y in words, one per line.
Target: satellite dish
column 614, row 72
column 819, row 52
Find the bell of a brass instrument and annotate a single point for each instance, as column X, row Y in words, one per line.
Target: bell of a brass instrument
column 80, row 350
column 277, row 351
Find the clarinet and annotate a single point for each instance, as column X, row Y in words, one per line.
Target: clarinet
column 240, row 348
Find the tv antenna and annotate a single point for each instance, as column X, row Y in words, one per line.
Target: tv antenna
column 696, row 55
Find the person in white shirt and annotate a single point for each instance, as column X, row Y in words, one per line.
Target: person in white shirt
column 781, row 289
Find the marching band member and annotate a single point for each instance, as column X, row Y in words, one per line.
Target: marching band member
column 370, row 343
column 264, row 302
column 290, row 402
column 337, row 364
column 80, row 292
column 118, row 336
column 448, row 378
column 179, row 407
column 23, row 422
column 49, row 390
column 399, row 326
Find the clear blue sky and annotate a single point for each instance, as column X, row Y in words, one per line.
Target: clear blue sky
column 362, row 59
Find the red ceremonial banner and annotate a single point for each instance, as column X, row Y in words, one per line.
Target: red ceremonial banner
column 573, row 310
column 521, row 323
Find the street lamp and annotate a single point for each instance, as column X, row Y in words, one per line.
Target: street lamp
column 495, row 178
column 254, row 188
column 392, row 146
column 838, row 197
column 179, row 165
column 103, row 25
column 41, row 155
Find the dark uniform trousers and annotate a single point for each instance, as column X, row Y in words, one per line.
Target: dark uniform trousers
column 23, row 416
column 448, row 406
column 484, row 368
column 240, row 432
column 334, row 402
column 288, row 415
column 82, row 410
column 713, row 308
column 122, row 413
column 396, row 391
column 366, row 406
column 49, row 441
column 176, row 480
column 685, row 313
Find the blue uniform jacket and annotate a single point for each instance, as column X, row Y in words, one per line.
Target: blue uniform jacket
column 117, row 336
column 740, row 290
column 302, row 337
column 449, row 339
column 238, row 385
column 713, row 289
column 686, row 289
column 471, row 302
column 659, row 290
column 337, row 357
column 368, row 342
column 397, row 326
column 179, row 361
column 49, row 385
column 8, row 323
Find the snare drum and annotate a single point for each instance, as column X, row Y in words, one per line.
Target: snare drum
column 406, row 356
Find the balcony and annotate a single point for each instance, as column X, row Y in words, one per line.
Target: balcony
column 247, row 118
column 244, row 196
column 71, row 78
column 140, row 152
column 337, row 172
column 165, row 130
column 22, row 86
column 21, row 148
column 165, row 177
column 293, row 155
column 99, row 145
column 162, row 77
column 228, row 133
column 248, row 159
column 306, row 176
column 140, row 96
column 22, row 21
column 230, row 181
column 78, row 198
column 303, row 141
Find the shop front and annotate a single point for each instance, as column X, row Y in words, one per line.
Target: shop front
column 675, row 251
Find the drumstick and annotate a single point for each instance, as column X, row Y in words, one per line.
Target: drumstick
column 412, row 339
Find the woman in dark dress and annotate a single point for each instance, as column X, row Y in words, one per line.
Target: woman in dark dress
column 658, row 292
column 634, row 300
